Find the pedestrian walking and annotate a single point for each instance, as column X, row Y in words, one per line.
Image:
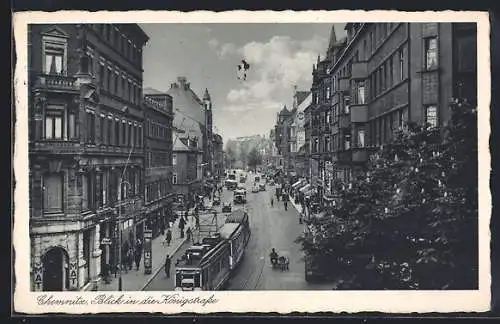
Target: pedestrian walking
column 272, row 201
column 285, row 204
column 168, row 262
column 168, row 237
column 182, row 224
column 138, row 255
column 130, row 258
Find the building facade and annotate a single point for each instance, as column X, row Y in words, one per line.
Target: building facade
column 208, row 147
column 218, row 153
column 85, row 149
column 189, row 139
column 299, row 159
column 158, row 191
column 282, row 135
column 381, row 77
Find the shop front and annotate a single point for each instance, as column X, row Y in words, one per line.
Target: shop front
column 106, row 240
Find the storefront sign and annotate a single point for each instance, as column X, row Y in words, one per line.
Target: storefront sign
column 147, row 251
column 106, row 241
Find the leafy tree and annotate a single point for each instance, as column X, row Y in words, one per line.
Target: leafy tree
column 410, row 221
column 254, row 158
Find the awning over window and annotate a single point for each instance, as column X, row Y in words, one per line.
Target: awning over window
column 298, row 183
column 305, row 188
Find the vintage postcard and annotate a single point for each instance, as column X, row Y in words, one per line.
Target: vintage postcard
column 252, row 161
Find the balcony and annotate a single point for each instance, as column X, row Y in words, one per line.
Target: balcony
column 359, row 70
column 56, row 82
column 344, row 121
column 359, row 154
column 56, row 146
column 359, row 113
column 344, row 85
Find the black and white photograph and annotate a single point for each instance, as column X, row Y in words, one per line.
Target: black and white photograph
column 202, row 157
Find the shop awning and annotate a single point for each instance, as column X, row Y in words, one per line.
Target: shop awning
column 305, row 188
column 308, row 193
column 298, row 183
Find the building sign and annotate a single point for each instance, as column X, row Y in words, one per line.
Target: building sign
column 73, row 275
column 106, row 241
column 38, row 276
column 147, row 251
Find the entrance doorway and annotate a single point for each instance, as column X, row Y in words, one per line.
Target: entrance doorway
column 55, row 270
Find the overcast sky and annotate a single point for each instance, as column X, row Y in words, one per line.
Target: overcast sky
column 280, row 56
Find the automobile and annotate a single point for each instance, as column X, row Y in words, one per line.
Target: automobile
column 226, row 207
column 240, row 196
column 216, row 201
column 255, row 189
column 271, row 182
column 262, row 186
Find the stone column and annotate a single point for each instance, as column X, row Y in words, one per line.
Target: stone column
column 82, row 263
column 96, row 253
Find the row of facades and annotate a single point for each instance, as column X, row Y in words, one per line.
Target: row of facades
column 104, row 156
column 370, row 83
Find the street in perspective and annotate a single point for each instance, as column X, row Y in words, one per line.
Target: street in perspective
column 203, row 157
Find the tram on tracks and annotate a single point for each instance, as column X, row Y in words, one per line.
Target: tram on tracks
column 208, row 265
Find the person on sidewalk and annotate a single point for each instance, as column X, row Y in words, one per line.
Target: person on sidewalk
column 285, row 203
column 182, row 224
column 130, row 259
column 138, row 255
column 168, row 261
column 168, row 237
column 189, row 234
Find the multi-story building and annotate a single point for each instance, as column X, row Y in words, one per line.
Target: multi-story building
column 218, row 152
column 189, row 139
column 382, row 76
column 85, row 149
column 208, row 149
column 282, row 138
column 299, row 159
column 158, row 192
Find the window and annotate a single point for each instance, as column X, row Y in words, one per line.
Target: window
column 360, row 93
column 102, row 72
column 347, row 142
column 117, row 133
column 361, row 138
column 98, row 190
column 327, row 144
column 109, row 127
column 347, row 103
column 174, row 178
column 431, row 57
column 466, row 53
column 129, row 139
column 54, row 124
column 90, row 127
column 150, row 159
column 53, row 193
column 54, row 58
column 124, row 87
column 327, row 93
column 103, row 130
column 391, row 73
column 116, row 80
column 85, row 191
column 140, row 137
column 104, row 187
column 372, row 45
column 401, row 65
column 431, row 118
column 382, row 78
column 71, row 125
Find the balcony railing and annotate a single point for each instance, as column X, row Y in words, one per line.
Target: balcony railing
column 359, row 113
column 56, row 146
column 56, row 82
column 359, row 70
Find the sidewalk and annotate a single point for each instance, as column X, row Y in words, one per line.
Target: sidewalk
column 133, row 280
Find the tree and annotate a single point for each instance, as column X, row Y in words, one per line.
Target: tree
column 230, row 157
column 414, row 212
column 254, row 158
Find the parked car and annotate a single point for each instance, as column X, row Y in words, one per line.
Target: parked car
column 262, row 186
column 226, row 207
column 216, row 201
column 255, row 188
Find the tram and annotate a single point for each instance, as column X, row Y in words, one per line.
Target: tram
column 208, row 265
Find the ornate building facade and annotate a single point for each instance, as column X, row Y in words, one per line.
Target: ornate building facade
column 85, row 149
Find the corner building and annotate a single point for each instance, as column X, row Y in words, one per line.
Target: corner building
column 379, row 78
column 85, row 149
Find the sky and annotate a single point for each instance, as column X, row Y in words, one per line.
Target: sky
column 280, row 56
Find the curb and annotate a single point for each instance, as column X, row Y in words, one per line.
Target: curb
column 155, row 272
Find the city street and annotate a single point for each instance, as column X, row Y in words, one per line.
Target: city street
column 271, row 227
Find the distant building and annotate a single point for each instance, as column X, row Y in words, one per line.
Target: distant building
column 218, row 153
column 158, row 192
column 85, row 149
column 189, row 139
column 282, row 133
column 298, row 152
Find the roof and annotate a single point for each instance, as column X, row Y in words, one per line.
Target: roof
column 301, row 96
column 228, row 229
column 333, row 38
column 152, row 91
column 237, row 216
